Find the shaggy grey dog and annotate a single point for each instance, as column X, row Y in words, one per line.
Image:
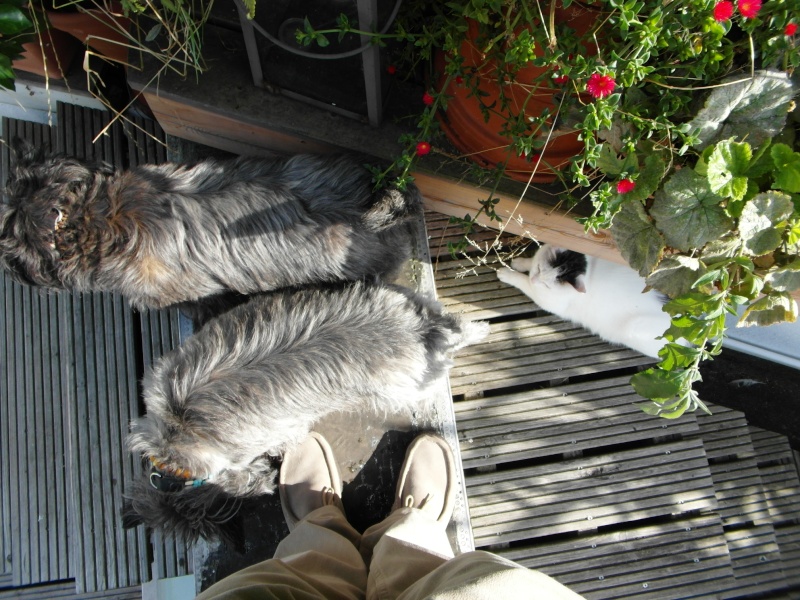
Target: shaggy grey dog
column 171, row 233
column 254, row 381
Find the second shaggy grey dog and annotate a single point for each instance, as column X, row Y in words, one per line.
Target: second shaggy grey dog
column 172, row 233
column 254, row 381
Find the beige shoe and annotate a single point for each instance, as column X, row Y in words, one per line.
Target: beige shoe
column 309, row 479
column 427, row 478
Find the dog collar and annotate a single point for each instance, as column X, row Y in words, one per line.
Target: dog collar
column 166, row 479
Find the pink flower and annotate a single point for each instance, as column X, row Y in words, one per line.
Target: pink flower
column 391, row 69
column 749, row 8
column 791, row 29
column 600, row 86
column 427, row 99
column 423, row 148
column 625, row 185
column 723, row 11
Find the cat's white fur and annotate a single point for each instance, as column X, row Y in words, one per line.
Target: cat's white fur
column 611, row 304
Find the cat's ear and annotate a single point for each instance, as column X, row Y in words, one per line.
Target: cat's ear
column 580, row 284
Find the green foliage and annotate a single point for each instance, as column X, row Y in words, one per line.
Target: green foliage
column 15, row 29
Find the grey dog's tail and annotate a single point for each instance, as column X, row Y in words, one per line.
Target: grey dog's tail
column 392, row 206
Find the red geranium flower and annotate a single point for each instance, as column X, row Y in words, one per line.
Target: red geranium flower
column 600, row 86
column 459, row 80
column 391, row 69
column 625, row 185
column 723, row 11
column 427, row 99
column 561, row 79
column 749, row 8
column 791, row 29
column 423, row 148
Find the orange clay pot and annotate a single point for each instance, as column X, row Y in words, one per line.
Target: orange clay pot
column 52, row 58
column 481, row 141
column 102, row 31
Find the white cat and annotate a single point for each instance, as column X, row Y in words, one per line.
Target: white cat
column 603, row 296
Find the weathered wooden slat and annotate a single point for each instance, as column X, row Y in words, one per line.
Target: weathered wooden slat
column 66, row 591
column 100, row 377
column 556, row 420
column 788, row 538
column 756, row 560
column 725, row 433
column 686, row 558
column 778, row 474
column 34, row 532
column 740, row 492
column 586, row 493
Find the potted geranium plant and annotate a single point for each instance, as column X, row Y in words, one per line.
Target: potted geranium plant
column 678, row 108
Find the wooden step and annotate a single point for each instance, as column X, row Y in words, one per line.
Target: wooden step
column 680, row 558
column 557, row 420
column 589, row 492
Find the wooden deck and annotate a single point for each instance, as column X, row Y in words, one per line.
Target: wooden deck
column 563, row 472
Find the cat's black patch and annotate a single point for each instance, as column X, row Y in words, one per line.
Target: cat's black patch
column 570, row 265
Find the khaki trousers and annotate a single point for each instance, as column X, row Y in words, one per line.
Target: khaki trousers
column 405, row 557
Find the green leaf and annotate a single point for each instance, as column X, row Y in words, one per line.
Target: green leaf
column 725, row 247
column 688, row 213
column 746, row 108
column 776, row 307
column 13, row 20
column 649, row 179
column 787, row 168
column 657, row 384
column 785, row 279
column 637, row 239
column 727, row 169
column 675, row 274
column 761, row 216
column 675, row 356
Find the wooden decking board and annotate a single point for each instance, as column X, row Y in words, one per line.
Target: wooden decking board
column 725, row 433
column 740, row 492
column 677, row 559
column 779, row 475
column 560, row 419
column 770, row 446
column 756, row 561
column 788, row 538
column 66, row 591
column 557, row 498
column 33, row 483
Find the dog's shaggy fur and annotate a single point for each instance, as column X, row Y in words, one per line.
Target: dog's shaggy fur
column 169, row 234
column 254, row 381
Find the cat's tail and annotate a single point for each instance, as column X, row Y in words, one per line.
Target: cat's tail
column 392, row 206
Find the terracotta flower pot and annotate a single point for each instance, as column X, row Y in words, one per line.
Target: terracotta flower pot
column 52, row 58
column 101, row 31
column 531, row 92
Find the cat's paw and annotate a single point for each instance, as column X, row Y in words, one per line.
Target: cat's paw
column 522, row 264
column 509, row 276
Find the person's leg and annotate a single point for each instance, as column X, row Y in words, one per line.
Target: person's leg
column 412, row 541
column 319, row 558
column 484, row 576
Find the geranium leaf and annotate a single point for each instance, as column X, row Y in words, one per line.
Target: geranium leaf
column 675, row 274
column 656, row 384
column 751, row 108
column 787, row 168
column 785, row 279
column 776, row 307
column 637, row 239
column 760, row 216
column 727, row 169
column 688, row 213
